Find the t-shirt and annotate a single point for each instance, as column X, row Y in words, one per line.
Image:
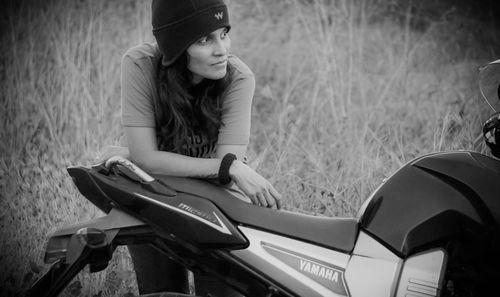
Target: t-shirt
column 139, row 90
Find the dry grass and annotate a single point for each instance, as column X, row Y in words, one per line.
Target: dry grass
column 346, row 93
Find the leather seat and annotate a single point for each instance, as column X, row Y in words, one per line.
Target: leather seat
column 334, row 233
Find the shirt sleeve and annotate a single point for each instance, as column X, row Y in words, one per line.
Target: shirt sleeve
column 136, row 95
column 236, row 110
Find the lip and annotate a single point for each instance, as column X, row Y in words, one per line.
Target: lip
column 219, row 63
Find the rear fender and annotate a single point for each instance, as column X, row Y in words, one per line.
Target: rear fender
column 90, row 243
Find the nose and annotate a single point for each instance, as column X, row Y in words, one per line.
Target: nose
column 220, row 47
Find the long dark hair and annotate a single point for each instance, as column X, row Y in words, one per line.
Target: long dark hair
column 183, row 108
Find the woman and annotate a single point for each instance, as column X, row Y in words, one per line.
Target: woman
column 186, row 106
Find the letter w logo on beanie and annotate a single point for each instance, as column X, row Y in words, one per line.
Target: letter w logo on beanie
column 219, row 15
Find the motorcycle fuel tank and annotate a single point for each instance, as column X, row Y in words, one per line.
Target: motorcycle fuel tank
column 433, row 198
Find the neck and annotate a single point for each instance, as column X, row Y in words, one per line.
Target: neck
column 196, row 79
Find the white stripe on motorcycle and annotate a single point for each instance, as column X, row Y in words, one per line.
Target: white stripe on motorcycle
column 219, row 227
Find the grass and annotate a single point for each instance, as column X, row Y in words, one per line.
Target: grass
column 347, row 92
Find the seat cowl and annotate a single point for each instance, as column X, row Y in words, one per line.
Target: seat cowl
column 333, row 233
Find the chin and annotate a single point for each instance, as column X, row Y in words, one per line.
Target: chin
column 218, row 75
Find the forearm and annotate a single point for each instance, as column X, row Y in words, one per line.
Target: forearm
column 167, row 163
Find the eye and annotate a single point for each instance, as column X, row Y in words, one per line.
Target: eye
column 203, row 40
column 224, row 34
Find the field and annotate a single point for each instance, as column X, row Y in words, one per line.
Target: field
column 347, row 92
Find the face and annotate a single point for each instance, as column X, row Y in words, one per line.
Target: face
column 207, row 57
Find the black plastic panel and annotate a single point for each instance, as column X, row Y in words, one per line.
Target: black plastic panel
column 88, row 188
column 433, row 198
column 195, row 220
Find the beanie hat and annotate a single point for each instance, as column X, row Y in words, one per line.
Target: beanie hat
column 179, row 23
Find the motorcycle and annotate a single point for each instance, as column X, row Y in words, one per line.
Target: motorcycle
column 431, row 229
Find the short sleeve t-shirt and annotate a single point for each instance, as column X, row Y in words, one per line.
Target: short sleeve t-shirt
column 139, row 90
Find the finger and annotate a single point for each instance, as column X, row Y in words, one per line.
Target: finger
column 262, row 199
column 271, row 203
column 278, row 203
column 277, row 196
column 254, row 199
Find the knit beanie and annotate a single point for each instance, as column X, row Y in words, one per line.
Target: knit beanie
column 179, row 23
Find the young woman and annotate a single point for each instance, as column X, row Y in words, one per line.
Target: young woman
column 186, row 105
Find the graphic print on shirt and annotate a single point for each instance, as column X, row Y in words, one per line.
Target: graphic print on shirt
column 197, row 145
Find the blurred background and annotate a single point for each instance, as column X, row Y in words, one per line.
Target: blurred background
column 347, row 92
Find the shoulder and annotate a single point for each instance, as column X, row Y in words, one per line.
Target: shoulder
column 241, row 76
column 144, row 53
column 241, row 83
column 240, row 68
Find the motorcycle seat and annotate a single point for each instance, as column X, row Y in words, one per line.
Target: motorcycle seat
column 333, row 233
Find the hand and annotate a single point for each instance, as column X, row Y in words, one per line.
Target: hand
column 257, row 188
column 110, row 151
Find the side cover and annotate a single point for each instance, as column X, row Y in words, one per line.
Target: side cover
column 188, row 217
column 433, row 198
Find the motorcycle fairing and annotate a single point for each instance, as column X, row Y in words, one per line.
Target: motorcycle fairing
column 478, row 178
column 192, row 219
column 279, row 258
column 330, row 276
column 88, row 188
column 209, row 219
column 423, row 274
column 309, row 270
column 446, row 193
column 373, row 270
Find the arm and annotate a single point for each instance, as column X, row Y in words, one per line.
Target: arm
column 143, row 151
column 259, row 189
column 142, row 147
column 235, row 133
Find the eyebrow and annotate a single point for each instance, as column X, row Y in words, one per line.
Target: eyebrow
column 215, row 32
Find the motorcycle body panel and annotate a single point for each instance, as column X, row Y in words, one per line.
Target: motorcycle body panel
column 371, row 270
column 422, row 274
column 434, row 198
column 374, row 270
column 476, row 175
column 188, row 217
column 306, row 269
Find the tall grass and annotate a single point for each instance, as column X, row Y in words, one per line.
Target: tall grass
column 347, row 92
